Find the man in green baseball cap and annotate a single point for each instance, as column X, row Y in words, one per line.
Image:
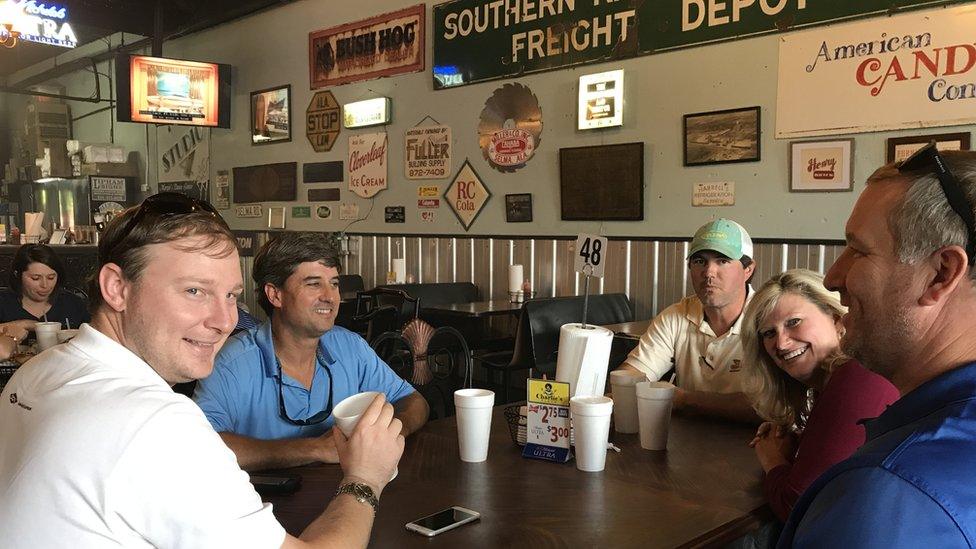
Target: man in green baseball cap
column 699, row 335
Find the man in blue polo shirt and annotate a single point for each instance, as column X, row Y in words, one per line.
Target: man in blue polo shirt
column 274, row 387
column 907, row 278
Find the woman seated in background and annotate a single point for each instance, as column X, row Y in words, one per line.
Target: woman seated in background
column 809, row 393
column 36, row 292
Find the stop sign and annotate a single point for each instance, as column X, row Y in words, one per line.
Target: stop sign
column 322, row 121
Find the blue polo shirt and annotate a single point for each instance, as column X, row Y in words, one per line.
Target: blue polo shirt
column 241, row 396
column 910, row 485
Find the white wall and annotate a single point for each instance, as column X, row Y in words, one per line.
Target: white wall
column 271, row 48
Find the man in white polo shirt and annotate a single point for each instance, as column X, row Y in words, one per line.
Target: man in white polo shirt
column 97, row 450
column 699, row 335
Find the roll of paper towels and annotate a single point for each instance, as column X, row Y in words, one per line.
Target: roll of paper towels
column 400, row 268
column 515, row 278
column 584, row 354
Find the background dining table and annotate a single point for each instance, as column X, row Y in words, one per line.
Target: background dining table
column 705, row 490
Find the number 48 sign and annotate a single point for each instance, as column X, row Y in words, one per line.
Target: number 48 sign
column 591, row 254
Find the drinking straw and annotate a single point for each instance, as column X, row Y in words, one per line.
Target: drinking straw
column 671, row 381
column 45, row 317
column 67, row 322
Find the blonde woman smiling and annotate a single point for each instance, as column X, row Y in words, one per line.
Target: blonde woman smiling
column 810, row 394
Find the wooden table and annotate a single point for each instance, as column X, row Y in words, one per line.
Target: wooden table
column 703, row 491
column 633, row 329
column 476, row 309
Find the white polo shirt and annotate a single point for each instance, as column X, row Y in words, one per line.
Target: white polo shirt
column 96, row 450
column 681, row 337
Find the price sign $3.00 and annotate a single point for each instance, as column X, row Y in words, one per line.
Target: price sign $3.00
column 591, row 254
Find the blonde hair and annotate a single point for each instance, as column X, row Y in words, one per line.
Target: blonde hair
column 776, row 396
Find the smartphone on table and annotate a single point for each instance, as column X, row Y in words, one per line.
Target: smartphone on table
column 276, row 484
column 442, row 521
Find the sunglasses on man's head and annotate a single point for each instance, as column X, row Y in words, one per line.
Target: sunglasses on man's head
column 163, row 205
column 928, row 158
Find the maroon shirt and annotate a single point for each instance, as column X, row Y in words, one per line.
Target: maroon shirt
column 832, row 432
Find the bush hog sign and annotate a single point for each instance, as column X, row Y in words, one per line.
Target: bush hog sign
column 467, row 195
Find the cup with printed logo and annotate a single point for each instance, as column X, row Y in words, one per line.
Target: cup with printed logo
column 623, row 387
column 654, row 399
column 591, row 425
column 473, row 422
column 347, row 413
column 47, row 334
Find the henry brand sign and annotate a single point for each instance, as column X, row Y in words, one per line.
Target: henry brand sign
column 477, row 40
column 388, row 44
column 367, row 164
column 908, row 71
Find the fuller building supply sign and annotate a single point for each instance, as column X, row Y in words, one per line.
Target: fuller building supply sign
column 478, row 40
column 367, row 164
column 388, row 44
column 427, row 151
column 907, row 71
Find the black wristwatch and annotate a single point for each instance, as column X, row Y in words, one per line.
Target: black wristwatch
column 362, row 492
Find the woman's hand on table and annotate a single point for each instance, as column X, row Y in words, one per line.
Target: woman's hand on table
column 17, row 329
column 775, row 445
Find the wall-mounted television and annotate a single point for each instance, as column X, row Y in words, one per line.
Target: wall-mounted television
column 155, row 90
column 602, row 183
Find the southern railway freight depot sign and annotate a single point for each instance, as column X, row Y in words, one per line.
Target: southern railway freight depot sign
column 477, row 40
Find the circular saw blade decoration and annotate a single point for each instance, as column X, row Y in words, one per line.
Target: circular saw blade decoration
column 510, row 129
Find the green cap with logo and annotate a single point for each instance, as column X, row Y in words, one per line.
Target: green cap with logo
column 723, row 236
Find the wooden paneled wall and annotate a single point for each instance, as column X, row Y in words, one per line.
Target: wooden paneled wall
column 652, row 273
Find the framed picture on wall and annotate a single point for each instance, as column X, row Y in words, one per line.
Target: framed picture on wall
column 822, row 166
column 900, row 148
column 518, row 208
column 722, row 137
column 271, row 115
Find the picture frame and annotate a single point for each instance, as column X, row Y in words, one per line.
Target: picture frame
column 276, row 217
column 900, row 148
column 722, row 137
column 821, row 165
column 518, row 208
column 271, row 115
column 58, row 236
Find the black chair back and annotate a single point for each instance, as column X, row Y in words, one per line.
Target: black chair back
column 546, row 316
column 384, row 310
column 439, row 293
column 350, row 285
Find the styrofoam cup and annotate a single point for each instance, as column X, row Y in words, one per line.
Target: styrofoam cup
column 474, row 407
column 348, row 412
column 623, row 386
column 66, row 335
column 654, row 400
column 591, row 425
column 47, row 334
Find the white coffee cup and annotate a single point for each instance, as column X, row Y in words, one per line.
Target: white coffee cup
column 66, row 335
column 474, row 407
column 654, row 400
column 623, row 385
column 347, row 413
column 591, row 424
column 47, row 334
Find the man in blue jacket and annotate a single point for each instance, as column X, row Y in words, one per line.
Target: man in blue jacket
column 907, row 278
column 274, row 387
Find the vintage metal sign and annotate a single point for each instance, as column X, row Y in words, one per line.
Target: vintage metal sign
column 908, row 71
column 367, row 164
column 249, row 210
column 427, row 151
column 601, row 100
column 322, row 121
column 478, row 40
column 716, row 193
column 108, row 189
column 348, row 210
column 388, row 44
column 467, row 195
column 395, row 214
column 184, row 154
column 511, row 127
